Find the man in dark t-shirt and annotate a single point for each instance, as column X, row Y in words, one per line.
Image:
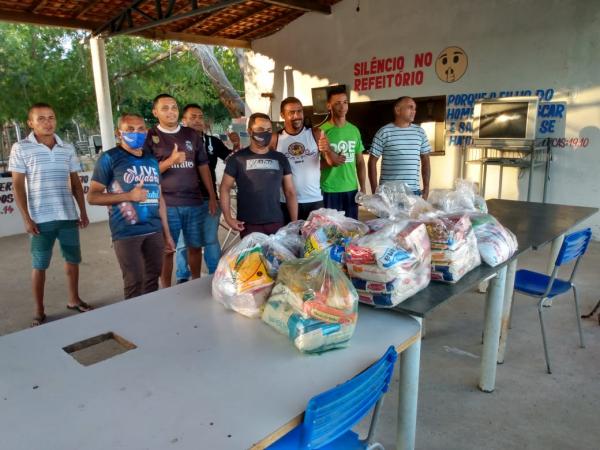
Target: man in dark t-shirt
column 259, row 174
column 193, row 117
column 183, row 164
column 127, row 180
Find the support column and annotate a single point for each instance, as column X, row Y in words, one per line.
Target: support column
column 410, row 360
column 100, row 71
column 491, row 333
column 507, row 308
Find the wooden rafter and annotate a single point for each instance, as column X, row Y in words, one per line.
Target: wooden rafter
column 302, row 5
column 241, row 19
column 36, row 7
column 84, row 9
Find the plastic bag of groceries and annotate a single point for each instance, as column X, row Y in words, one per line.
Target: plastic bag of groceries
column 330, row 229
column 290, row 236
column 495, row 242
column 394, row 200
column 454, row 250
column 390, row 264
column 246, row 273
column 313, row 303
column 463, row 198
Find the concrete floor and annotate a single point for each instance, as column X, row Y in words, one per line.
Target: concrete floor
column 529, row 409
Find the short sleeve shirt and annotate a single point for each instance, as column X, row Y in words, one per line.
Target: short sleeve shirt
column 180, row 183
column 215, row 150
column 259, row 178
column 344, row 141
column 120, row 171
column 401, row 149
column 47, row 173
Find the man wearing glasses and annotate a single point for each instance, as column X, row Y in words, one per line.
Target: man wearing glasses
column 259, row 174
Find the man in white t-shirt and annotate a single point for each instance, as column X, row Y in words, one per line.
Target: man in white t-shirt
column 49, row 167
column 306, row 149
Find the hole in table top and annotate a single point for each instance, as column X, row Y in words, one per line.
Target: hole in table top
column 98, row 348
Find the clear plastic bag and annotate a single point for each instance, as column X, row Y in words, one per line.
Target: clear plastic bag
column 290, row 236
column 330, row 229
column 395, row 201
column 495, row 242
column 313, row 303
column 463, row 198
column 454, row 249
column 246, row 273
column 391, row 264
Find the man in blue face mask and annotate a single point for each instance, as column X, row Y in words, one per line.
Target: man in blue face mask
column 259, row 173
column 127, row 180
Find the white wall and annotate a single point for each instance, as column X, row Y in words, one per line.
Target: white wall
column 10, row 218
column 512, row 46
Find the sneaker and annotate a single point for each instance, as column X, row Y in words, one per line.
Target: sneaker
column 182, row 280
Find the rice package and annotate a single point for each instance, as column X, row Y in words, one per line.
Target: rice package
column 390, row 264
column 495, row 242
column 313, row 303
column 454, row 249
column 246, row 273
column 332, row 230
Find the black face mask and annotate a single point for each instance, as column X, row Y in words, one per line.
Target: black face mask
column 263, row 139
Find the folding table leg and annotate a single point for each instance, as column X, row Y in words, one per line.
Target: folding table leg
column 495, row 298
column 507, row 308
column 410, row 360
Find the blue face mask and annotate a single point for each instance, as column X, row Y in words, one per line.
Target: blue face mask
column 133, row 140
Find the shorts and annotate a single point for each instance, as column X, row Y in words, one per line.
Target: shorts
column 342, row 201
column 304, row 210
column 189, row 220
column 67, row 233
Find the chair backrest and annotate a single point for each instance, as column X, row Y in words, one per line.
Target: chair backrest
column 574, row 246
column 333, row 412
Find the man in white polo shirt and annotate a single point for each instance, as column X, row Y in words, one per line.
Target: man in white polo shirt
column 49, row 167
column 404, row 149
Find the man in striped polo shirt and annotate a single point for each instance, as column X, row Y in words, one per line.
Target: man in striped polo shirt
column 50, row 168
column 404, row 149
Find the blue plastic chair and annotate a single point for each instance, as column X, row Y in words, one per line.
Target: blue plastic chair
column 331, row 415
column 544, row 287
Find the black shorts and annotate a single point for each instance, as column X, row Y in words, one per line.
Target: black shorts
column 304, row 209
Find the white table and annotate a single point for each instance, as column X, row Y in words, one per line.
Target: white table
column 200, row 377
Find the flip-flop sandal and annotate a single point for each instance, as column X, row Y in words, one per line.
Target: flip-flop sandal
column 80, row 307
column 38, row 320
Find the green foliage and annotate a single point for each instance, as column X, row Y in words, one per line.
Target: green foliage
column 52, row 65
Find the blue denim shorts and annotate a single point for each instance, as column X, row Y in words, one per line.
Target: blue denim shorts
column 189, row 220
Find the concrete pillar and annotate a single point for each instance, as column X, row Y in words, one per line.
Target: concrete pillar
column 102, row 93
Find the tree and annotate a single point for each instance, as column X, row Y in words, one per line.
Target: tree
column 53, row 65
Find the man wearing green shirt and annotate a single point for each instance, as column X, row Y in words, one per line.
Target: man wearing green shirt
column 339, row 183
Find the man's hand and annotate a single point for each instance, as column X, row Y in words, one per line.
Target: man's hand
column 235, row 140
column 31, row 227
column 138, row 193
column 234, row 224
column 212, row 205
column 324, row 147
column 170, row 246
column 177, row 157
column 83, row 220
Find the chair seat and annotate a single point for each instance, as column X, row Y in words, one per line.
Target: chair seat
column 291, row 441
column 535, row 283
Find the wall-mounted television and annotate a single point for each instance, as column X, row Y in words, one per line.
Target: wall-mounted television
column 505, row 118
